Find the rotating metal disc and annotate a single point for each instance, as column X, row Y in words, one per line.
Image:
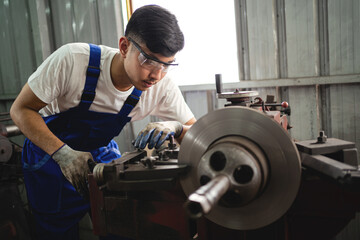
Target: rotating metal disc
column 238, row 94
column 281, row 155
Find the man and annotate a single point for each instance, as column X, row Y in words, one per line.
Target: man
column 85, row 94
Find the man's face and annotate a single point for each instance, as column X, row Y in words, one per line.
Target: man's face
column 145, row 68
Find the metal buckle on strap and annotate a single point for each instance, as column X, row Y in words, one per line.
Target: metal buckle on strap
column 93, row 71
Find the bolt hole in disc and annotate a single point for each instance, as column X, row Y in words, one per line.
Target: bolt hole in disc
column 218, row 161
column 243, row 174
column 204, row 180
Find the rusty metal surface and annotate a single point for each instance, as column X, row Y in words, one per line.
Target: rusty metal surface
column 97, row 206
column 146, row 215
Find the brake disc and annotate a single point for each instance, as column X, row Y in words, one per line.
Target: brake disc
column 240, row 132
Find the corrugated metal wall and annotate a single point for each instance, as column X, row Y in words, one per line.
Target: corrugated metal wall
column 305, row 52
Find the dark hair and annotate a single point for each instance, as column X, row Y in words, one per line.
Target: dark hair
column 157, row 28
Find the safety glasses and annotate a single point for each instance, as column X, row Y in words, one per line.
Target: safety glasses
column 151, row 63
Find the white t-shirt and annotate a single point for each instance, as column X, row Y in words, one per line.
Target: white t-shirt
column 60, row 80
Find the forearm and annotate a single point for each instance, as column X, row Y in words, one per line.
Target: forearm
column 24, row 113
column 33, row 127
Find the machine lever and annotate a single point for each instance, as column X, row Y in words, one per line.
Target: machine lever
column 218, row 82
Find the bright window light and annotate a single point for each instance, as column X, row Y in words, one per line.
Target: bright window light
column 210, row 40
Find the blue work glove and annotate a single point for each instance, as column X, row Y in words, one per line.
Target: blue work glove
column 155, row 134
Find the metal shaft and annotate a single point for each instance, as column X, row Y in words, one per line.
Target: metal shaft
column 9, row 130
column 206, row 197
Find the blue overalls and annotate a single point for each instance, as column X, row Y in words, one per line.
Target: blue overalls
column 56, row 205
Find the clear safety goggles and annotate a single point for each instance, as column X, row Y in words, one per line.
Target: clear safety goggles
column 151, row 63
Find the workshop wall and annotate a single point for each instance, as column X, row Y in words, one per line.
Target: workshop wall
column 304, row 52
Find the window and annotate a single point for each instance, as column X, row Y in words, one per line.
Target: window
column 210, row 40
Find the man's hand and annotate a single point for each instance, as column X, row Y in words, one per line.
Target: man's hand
column 75, row 167
column 155, row 134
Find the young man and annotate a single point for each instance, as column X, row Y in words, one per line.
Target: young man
column 81, row 97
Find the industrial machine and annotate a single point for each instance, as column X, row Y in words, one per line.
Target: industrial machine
column 14, row 216
column 237, row 175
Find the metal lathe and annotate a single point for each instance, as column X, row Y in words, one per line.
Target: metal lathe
column 237, row 175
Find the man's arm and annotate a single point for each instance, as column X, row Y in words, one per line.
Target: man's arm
column 25, row 114
column 155, row 133
column 73, row 164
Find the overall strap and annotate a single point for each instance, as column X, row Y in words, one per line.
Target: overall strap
column 92, row 75
column 130, row 102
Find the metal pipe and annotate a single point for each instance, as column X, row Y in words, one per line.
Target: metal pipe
column 5, row 119
column 206, row 197
column 9, row 130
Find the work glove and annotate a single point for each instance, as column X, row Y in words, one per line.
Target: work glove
column 155, row 134
column 75, row 167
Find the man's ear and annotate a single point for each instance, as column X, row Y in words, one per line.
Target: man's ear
column 123, row 46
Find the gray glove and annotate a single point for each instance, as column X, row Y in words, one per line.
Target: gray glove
column 75, row 167
column 155, row 134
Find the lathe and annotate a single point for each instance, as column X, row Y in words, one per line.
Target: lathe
column 237, row 175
